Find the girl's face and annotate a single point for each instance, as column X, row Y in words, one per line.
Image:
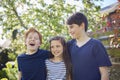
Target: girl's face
column 56, row 48
column 32, row 42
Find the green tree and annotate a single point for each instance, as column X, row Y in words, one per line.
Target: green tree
column 16, row 16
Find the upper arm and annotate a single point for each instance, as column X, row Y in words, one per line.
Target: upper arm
column 19, row 75
column 104, row 71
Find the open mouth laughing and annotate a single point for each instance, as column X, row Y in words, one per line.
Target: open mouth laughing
column 32, row 44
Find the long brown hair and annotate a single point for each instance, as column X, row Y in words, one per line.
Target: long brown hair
column 66, row 56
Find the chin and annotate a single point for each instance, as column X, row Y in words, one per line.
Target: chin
column 73, row 37
column 33, row 49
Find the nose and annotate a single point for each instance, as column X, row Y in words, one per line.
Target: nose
column 32, row 38
column 55, row 49
column 69, row 30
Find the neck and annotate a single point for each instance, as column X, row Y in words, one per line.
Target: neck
column 30, row 52
column 82, row 38
column 57, row 59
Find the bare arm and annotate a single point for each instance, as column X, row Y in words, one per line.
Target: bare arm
column 19, row 75
column 104, row 73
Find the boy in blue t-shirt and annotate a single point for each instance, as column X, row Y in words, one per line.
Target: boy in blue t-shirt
column 31, row 65
column 90, row 60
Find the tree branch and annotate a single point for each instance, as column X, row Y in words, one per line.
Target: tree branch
column 19, row 18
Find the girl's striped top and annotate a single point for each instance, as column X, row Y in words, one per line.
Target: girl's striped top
column 55, row 70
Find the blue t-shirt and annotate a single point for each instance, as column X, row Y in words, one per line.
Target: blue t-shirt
column 33, row 66
column 87, row 59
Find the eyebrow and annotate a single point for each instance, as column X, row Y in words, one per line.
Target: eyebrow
column 70, row 26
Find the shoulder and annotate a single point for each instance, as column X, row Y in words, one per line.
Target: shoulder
column 21, row 55
column 47, row 60
column 70, row 42
column 95, row 41
column 43, row 51
column 97, row 45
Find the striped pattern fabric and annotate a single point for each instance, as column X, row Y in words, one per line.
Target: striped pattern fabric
column 55, row 70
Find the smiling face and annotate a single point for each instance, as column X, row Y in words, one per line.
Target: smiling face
column 32, row 42
column 75, row 30
column 56, row 48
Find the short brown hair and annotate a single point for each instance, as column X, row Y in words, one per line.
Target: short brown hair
column 33, row 30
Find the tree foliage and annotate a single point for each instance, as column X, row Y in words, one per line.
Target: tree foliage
column 16, row 16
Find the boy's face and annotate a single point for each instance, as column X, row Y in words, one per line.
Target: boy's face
column 75, row 30
column 32, row 41
column 56, row 48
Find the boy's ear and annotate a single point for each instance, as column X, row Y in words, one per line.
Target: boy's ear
column 83, row 25
column 40, row 44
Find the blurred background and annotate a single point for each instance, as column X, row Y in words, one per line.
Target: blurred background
column 49, row 16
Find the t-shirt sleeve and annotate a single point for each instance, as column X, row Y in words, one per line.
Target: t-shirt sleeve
column 69, row 44
column 101, row 55
column 46, row 54
column 18, row 64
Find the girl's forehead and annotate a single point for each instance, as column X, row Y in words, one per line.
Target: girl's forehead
column 33, row 33
column 56, row 41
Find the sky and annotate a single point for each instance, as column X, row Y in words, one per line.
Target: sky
column 105, row 3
